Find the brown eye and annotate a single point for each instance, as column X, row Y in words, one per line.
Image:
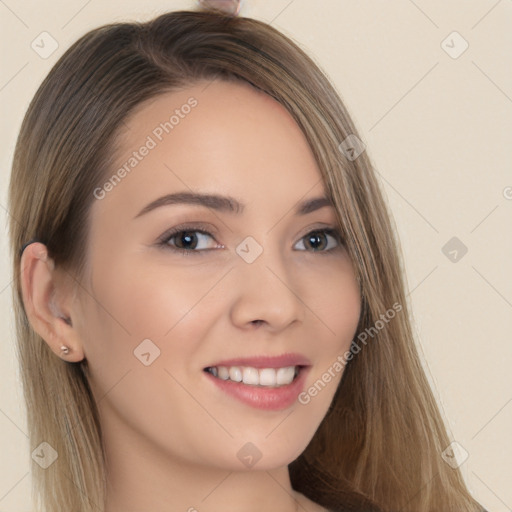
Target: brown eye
column 321, row 240
column 187, row 241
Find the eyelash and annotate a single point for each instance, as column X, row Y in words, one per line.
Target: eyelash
column 164, row 239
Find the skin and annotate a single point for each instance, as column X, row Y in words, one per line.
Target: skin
column 171, row 437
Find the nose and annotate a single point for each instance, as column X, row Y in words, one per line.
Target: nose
column 266, row 294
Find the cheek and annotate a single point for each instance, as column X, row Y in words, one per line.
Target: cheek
column 163, row 319
column 337, row 309
column 130, row 313
column 149, row 301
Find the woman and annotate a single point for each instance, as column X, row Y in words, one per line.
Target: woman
column 210, row 309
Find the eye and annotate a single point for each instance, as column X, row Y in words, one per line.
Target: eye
column 187, row 241
column 318, row 240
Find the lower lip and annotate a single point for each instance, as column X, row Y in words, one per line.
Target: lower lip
column 260, row 397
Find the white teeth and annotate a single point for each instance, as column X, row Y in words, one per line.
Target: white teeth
column 285, row 375
column 251, row 376
column 235, row 374
column 270, row 377
column 223, row 373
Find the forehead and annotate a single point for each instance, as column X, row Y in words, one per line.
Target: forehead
column 212, row 137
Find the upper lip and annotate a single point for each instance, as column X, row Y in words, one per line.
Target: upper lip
column 281, row 361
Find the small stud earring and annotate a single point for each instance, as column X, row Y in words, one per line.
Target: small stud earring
column 64, row 350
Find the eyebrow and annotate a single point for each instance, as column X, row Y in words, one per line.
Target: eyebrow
column 226, row 203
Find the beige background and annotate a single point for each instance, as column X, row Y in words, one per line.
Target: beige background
column 438, row 129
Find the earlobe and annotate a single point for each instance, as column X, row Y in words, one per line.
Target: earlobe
column 44, row 298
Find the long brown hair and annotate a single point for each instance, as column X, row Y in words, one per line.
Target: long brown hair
column 379, row 446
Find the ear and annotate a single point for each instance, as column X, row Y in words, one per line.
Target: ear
column 48, row 300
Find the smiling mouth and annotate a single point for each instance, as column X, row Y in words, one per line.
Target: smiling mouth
column 258, row 377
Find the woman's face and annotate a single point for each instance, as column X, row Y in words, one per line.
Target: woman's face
column 246, row 282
